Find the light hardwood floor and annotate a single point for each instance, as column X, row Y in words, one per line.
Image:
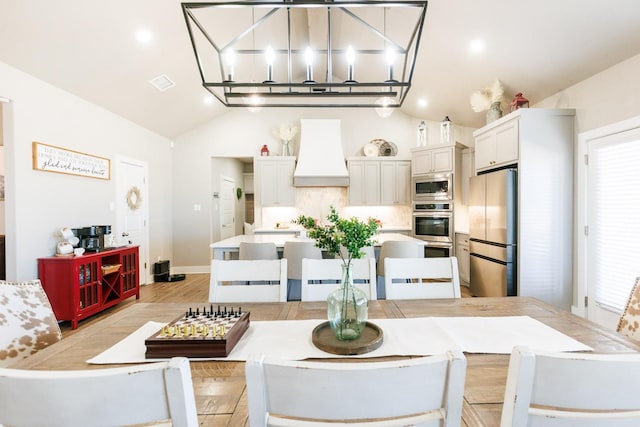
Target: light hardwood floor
column 195, row 288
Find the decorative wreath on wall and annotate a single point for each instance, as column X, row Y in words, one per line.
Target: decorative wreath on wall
column 134, row 200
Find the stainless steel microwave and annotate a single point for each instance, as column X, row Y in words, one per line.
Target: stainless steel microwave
column 432, row 187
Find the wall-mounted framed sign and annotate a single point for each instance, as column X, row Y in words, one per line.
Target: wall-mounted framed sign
column 50, row 158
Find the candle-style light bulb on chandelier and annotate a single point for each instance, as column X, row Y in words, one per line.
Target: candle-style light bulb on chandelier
column 309, row 48
column 270, row 56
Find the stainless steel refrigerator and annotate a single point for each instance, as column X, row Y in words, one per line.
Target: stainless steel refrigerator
column 493, row 233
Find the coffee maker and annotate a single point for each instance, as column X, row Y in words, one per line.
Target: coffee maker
column 93, row 238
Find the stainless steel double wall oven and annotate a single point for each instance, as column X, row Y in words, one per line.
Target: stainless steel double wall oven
column 433, row 213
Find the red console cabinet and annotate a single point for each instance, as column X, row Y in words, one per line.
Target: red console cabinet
column 80, row 286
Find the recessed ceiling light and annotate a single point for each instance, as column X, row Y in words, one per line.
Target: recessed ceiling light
column 422, row 103
column 208, row 99
column 144, row 36
column 162, row 82
column 477, row 46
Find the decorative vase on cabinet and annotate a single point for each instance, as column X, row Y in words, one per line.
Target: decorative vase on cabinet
column 494, row 112
column 347, row 308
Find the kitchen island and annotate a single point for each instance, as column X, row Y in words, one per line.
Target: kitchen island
column 225, row 248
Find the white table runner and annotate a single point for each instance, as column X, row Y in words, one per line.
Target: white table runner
column 422, row 336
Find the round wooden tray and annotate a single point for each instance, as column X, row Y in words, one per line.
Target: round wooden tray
column 324, row 338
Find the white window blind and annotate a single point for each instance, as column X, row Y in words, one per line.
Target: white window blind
column 613, row 218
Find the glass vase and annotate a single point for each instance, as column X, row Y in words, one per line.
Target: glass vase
column 347, row 308
column 494, row 112
column 286, row 151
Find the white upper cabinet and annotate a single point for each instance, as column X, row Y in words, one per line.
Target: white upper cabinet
column 497, row 146
column 274, row 180
column 426, row 160
column 364, row 182
column 379, row 182
column 395, row 182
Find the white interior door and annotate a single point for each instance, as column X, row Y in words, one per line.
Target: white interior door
column 132, row 216
column 227, row 208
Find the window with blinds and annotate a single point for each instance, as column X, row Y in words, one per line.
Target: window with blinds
column 613, row 218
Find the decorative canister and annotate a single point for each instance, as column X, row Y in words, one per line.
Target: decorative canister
column 519, row 102
column 446, row 131
column 264, row 151
column 422, row 134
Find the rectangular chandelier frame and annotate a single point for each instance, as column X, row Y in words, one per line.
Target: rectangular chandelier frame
column 247, row 84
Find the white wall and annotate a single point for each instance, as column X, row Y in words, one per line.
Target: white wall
column 607, row 97
column 39, row 203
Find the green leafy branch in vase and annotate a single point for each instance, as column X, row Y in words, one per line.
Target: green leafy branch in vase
column 347, row 305
column 352, row 234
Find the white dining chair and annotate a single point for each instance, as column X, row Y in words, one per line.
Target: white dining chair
column 395, row 249
column 99, row 397
column 421, row 278
column 295, row 251
column 571, row 389
column 425, row 391
column 248, row 280
column 321, row 276
column 27, row 321
column 629, row 323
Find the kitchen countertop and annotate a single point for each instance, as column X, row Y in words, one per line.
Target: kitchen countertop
column 232, row 244
column 393, row 229
column 279, row 230
column 296, row 230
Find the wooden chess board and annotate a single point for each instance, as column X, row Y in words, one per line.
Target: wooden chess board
column 206, row 333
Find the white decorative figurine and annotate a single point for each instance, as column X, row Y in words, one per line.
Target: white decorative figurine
column 286, row 133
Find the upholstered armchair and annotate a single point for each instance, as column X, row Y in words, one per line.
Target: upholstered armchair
column 27, row 321
column 629, row 323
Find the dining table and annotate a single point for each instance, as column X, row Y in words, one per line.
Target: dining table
column 219, row 385
column 225, row 248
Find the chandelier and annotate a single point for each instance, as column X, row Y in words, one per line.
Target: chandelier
column 306, row 53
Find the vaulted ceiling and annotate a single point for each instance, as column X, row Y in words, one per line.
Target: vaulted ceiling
column 89, row 48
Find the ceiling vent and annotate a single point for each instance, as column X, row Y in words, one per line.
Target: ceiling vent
column 162, row 82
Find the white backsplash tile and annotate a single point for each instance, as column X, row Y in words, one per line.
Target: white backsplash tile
column 315, row 202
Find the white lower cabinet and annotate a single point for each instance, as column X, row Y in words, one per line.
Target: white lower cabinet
column 462, row 253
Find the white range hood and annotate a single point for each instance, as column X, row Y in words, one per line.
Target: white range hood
column 321, row 161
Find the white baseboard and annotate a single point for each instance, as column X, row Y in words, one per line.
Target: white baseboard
column 578, row 311
column 191, row 269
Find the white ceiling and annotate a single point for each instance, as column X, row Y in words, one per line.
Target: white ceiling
column 88, row 48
